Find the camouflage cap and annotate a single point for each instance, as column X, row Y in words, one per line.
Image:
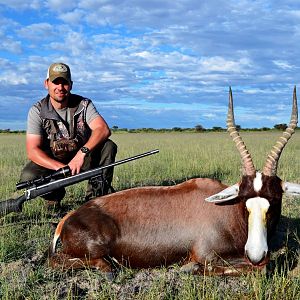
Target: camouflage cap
column 59, row 70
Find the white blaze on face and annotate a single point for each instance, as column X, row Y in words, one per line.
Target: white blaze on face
column 257, row 182
column 256, row 247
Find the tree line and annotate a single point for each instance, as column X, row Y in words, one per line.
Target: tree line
column 197, row 128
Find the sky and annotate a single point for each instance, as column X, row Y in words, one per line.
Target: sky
column 154, row 64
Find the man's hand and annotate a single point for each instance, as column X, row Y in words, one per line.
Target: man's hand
column 100, row 132
column 77, row 162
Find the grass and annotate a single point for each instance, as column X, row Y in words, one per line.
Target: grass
column 25, row 237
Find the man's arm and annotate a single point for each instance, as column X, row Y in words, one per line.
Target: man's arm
column 34, row 141
column 37, row 155
column 100, row 132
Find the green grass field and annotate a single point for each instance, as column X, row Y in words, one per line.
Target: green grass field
column 24, row 238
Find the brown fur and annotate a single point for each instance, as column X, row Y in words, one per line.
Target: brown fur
column 155, row 226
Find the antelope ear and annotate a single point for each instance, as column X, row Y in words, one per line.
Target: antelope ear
column 292, row 189
column 225, row 195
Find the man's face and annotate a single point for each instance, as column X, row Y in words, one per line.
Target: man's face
column 59, row 89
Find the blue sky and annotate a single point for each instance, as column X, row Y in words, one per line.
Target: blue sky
column 159, row 64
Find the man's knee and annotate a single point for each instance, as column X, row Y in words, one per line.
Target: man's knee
column 26, row 175
column 109, row 148
column 31, row 171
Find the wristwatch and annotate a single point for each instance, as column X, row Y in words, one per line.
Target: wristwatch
column 85, row 150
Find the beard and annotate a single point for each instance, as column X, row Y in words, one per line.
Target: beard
column 60, row 97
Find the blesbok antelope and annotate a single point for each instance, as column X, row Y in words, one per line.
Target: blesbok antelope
column 201, row 223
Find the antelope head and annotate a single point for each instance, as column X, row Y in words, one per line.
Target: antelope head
column 261, row 192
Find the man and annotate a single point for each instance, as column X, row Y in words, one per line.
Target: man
column 66, row 129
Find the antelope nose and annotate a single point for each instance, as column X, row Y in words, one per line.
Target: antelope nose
column 256, row 259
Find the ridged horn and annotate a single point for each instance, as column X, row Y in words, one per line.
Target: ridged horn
column 248, row 166
column 270, row 168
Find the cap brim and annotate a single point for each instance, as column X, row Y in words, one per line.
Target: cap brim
column 52, row 78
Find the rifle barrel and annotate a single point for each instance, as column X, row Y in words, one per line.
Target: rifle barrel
column 15, row 205
column 43, row 189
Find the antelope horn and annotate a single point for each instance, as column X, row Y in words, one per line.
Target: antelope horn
column 270, row 168
column 248, row 166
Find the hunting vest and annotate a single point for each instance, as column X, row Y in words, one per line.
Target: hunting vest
column 62, row 140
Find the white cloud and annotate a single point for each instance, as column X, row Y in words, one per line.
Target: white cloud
column 22, row 4
column 37, row 31
column 74, row 17
column 143, row 54
column 10, row 45
column 220, row 64
column 12, row 78
column 61, row 6
column 109, row 77
column 292, row 12
column 73, row 43
column 283, row 64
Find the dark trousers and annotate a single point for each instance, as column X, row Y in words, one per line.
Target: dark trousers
column 102, row 155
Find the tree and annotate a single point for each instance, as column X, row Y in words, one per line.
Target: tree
column 199, row 128
column 217, row 128
column 282, row 126
column 5, row 130
column 176, row 129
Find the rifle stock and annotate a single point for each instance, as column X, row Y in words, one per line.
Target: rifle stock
column 15, row 205
column 12, row 205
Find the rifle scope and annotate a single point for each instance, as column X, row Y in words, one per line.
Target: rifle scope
column 60, row 173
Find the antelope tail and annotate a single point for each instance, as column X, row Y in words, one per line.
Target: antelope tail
column 58, row 233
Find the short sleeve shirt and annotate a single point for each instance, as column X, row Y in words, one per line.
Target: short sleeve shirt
column 34, row 121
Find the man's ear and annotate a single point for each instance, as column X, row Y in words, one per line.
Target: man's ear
column 46, row 84
column 71, row 85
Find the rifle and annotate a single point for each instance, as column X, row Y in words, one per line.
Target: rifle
column 58, row 179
